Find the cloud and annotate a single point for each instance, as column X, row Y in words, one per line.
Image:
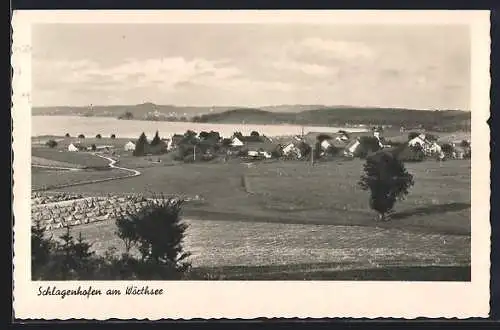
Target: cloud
column 294, row 69
column 329, row 50
column 134, row 79
column 164, row 73
column 310, row 69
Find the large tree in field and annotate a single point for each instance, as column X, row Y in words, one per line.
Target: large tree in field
column 387, row 179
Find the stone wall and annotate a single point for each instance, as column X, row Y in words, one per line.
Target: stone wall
column 61, row 210
column 45, row 198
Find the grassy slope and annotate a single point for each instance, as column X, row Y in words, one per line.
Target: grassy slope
column 42, row 178
column 295, row 192
column 53, row 163
column 282, row 251
column 78, row 158
column 326, row 194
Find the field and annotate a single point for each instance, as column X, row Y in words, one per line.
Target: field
column 42, row 178
column 230, row 250
column 44, row 162
column 60, row 155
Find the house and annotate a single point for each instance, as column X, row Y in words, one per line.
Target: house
column 381, row 140
column 293, row 149
column 76, row 147
column 418, row 140
column 73, row 148
column 129, row 146
column 260, row 149
column 174, row 141
column 239, row 138
column 429, row 147
column 325, row 144
column 342, row 138
column 236, row 142
column 103, row 148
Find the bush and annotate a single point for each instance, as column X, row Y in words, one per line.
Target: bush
column 51, row 143
column 412, row 135
column 113, row 136
column 448, row 150
column 94, row 147
column 465, row 144
column 98, row 136
column 81, row 136
column 41, row 248
column 127, row 115
column 67, row 135
column 141, row 145
column 156, row 231
column 387, row 179
column 156, row 140
column 368, row 145
column 321, row 137
column 66, row 259
column 411, row 153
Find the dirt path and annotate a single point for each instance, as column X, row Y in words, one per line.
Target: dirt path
column 133, row 173
column 112, row 163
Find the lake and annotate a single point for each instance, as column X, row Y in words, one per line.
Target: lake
column 91, row 126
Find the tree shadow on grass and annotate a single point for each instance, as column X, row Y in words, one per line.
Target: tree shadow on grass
column 432, row 209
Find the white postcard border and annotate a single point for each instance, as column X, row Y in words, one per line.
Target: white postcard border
column 241, row 299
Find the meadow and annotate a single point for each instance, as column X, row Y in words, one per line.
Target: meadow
column 60, row 155
column 296, row 192
column 44, row 178
column 234, row 250
column 291, row 220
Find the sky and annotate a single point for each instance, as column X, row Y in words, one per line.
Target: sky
column 410, row 66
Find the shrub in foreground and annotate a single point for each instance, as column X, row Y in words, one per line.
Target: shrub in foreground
column 156, row 232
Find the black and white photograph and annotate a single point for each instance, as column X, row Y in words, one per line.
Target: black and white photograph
column 253, row 151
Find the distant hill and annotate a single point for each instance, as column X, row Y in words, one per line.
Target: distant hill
column 344, row 116
column 139, row 111
column 313, row 115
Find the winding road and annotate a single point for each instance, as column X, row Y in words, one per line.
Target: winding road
column 112, row 163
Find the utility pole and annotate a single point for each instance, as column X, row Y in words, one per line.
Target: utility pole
column 312, row 155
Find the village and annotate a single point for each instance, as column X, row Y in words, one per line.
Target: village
column 411, row 145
